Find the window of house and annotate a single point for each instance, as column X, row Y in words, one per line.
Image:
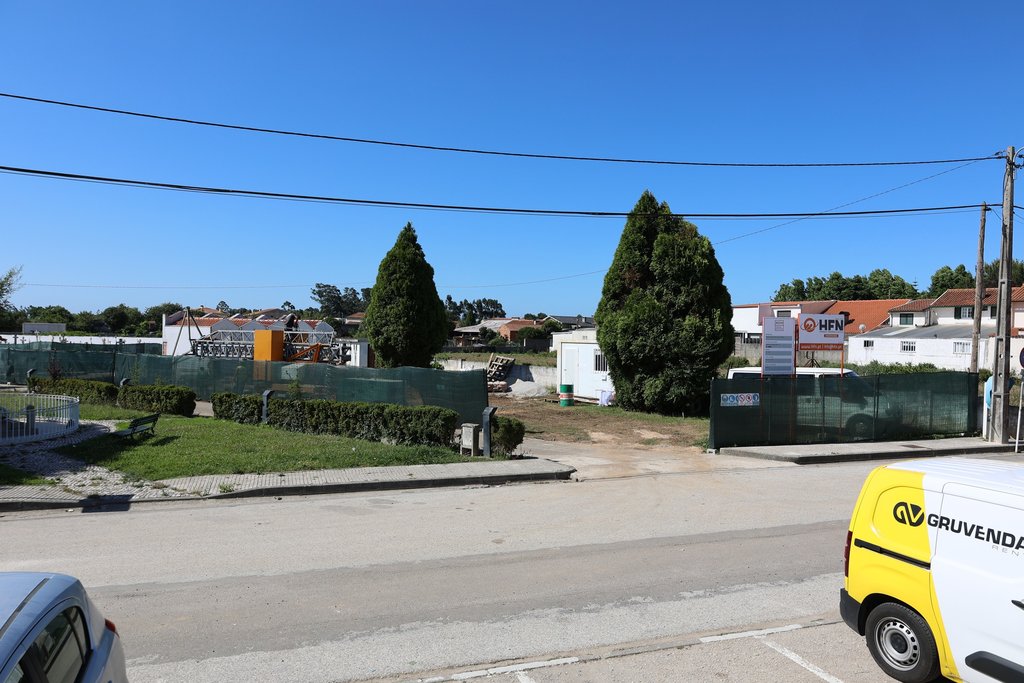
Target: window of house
column 783, row 314
column 906, row 318
column 961, row 347
column 992, row 312
column 908, row 346
column 600, row 363
column 961, row 312
column 869, row 343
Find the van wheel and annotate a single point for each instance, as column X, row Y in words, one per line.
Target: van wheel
column 859, row 427
column 902, row 644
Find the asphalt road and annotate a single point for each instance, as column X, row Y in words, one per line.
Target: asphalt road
column 626, row 579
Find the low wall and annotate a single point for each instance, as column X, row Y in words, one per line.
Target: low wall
column 541, row 374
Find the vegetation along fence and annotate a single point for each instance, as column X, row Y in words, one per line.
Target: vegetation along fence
column 833, row 409
column 33, row 417
column 463, row 392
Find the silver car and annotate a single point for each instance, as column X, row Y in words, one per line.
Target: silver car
column 51, row 632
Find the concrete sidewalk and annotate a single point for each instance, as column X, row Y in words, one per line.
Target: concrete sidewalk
column 309, row 482
column 809, row 454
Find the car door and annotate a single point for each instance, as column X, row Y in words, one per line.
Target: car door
column 978, row 576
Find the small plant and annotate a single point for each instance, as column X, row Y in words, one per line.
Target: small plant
column 53, row 366
column 295, row 390
column 226, row 488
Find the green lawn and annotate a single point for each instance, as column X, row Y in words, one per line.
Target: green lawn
column 540, row 358
column 188, row 446
column 12, row 477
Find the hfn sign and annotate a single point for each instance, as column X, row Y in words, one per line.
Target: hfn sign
column 821, row 332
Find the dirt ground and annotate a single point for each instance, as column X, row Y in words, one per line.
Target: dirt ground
column 584, row 423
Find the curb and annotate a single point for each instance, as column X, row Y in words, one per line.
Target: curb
column 297, row 490
column 903, row 453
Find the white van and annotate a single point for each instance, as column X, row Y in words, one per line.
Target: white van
column 845, row 399
column 934, row 568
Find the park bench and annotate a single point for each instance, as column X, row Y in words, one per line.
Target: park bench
column 140, row 424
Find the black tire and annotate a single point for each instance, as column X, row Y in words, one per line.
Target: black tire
column 902, row 644
column 860, row 427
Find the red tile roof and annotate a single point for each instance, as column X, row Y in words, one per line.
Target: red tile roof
column 870, row 313
column 965, row 297
column 915, row 306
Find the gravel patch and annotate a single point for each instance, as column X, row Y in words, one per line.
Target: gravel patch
column 74, row 476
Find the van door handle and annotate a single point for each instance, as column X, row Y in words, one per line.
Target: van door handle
column 1018, row 603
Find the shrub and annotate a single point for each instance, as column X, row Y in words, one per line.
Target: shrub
column 384, row 422
column 87, row 391
column 506, row 434
column 984, row 374
column 169, row 399
column 237, row 408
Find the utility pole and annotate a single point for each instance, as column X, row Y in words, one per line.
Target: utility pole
column 1001, row 389
column 979, row 289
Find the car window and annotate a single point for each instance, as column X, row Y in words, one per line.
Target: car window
column 16, row 676
column 62, row 647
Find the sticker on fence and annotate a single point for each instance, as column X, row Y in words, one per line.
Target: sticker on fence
column 736, row 400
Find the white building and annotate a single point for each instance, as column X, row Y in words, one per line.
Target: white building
column 581, row 363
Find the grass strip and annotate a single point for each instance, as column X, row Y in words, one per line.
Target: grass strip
column 191, row 446
column 13, row 477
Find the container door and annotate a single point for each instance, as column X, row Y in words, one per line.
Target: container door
column 570, row 359
column 978, row 575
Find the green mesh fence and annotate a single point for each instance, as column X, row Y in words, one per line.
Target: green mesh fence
column 833, row 409
column 464, row 392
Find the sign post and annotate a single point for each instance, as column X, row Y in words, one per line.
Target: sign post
column 778, row 346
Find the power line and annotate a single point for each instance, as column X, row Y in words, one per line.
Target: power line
column 489, row 152
column 842, row 206
column 458, row 207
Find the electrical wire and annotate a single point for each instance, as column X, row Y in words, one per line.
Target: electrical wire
column 489, row 152
column 842, row 206
column 473, row 209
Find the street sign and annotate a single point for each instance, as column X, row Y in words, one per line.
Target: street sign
column 778, row 344
column 822, row 332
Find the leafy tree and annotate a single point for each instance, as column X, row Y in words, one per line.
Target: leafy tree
column 468, row 312
column 949, row 278
column 406, row 322
column 884, row 285
column 121, row 319
column 337, row 303
column 287, row 306
column 9, row 284
column 50, row 314
column 990, row 273
column 153, row 316
column 222, row 306
column 794, row 291
column 87, row 321
column 664, row 317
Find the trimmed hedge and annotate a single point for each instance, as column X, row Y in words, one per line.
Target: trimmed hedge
column 156, row 399
column 172, row 400
column 506, row 434
column 244, row 409
column 87, row 391
column 384, row 422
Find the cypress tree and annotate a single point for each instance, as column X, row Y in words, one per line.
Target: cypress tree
column 665, row 318
column 406, row 321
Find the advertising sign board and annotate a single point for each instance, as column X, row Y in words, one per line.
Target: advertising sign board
column 821, row 332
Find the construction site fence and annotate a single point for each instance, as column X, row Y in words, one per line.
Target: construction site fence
column 782, row 410
column 464, row 391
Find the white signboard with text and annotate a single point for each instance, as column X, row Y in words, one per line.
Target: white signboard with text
column 822, row 332
column 778, row 345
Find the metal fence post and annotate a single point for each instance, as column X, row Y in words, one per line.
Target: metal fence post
column 266, row 404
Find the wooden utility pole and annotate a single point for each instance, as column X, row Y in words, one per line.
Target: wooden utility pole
column 979, row 289
column 1001, row 388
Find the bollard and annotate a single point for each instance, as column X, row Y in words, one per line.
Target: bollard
column 266, row 403
column 30, row 419
column 485, row 430
column 124, row 382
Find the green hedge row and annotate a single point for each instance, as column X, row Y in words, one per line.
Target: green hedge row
column 385, row 422
column 172, row 400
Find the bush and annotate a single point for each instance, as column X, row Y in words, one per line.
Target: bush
column 983, row 375
column 237, row 408
column 506, row 434
column 87, row 391
column 384, row 422
column 169, row 399
column 734, row 362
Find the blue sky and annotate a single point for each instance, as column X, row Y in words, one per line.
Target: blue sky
column 737, row 82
